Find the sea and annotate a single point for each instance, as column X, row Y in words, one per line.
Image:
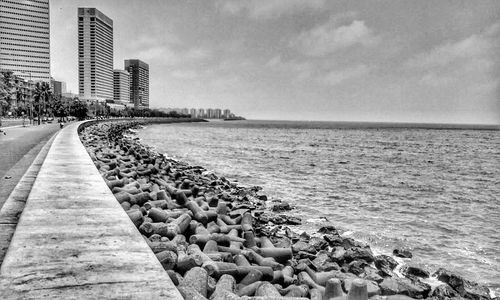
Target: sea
column 433, row 189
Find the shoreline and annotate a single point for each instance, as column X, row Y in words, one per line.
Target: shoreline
column 332, row 255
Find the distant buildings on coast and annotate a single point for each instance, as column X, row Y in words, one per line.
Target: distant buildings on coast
column 201, row 113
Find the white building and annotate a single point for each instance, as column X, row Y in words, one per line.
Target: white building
column 95, row 54
column 121, row 86
column 25, row 38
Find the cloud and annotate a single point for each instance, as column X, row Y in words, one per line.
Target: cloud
column 164, row 53
column 185, row 74
column 266, row 9
column 335, row 77
column 468, row 60
column 330, row 37
column 168, row 55
column 450, row 52
column 300, row 70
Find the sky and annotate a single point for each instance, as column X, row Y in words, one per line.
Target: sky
column 430, row 61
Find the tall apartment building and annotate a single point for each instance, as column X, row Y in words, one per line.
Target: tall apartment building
column 95, row 54
column 217, row 113
column 210, row 113
column 25, row 38
column 139, row 82
column 121, row 86
column 226, row 113
column 201, row 113
column 58, row 88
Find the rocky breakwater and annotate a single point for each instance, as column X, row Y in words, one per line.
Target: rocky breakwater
column 219, row 240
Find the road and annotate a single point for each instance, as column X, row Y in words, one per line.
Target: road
column 18, row 149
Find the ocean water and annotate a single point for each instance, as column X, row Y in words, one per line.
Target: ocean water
column 434, row 191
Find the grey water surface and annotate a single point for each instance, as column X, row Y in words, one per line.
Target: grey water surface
column 435, row 191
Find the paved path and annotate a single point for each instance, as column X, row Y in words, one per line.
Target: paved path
column 18, row 149
column 74, row 241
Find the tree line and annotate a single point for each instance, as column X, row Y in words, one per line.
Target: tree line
column 21, row 99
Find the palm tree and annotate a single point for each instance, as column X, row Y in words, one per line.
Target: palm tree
column 7, row 90
column 42, row 96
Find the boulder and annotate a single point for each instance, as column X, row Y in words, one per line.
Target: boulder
column 404, row 286
column 444, row 292
column 303, row 246
column 412, row 270
column 281, row 207
column 318, row 243
column 465, row 288
column 357, row 253
column 356, row 267
column 404, row 253
column 329, row 229
column 323, row 262
column 371, row 273
column 337, row 254
column 385, row 262
column 333, row 240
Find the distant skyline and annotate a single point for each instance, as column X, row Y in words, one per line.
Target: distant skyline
column 382, row 61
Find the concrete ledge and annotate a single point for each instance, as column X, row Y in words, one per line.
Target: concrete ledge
column 74, row 241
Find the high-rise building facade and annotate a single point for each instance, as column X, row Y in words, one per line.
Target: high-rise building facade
column 139, row 82
column 95, row 54
column 217, row 113
column 58, row 88
column 25, row 38
column 121, row 83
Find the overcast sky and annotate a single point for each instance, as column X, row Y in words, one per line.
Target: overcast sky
column 406, row 61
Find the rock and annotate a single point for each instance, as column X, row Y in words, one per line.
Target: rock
column 385, row 262
column 304, row 236
column 356, row 267
column 352, row 243
column 262, row 197
column 323, row 262
column 318, row 243
column 303, row 246
column 404, row 253
column 412, row 270
column 355, row 253
column 281, row 207
column 337, row 254
column 322, row 257
column 404, row 286
column 465, row 288
column 328, row 229
column 333, row 240
column 444, row 292
column 291, row 220
column 371, row 273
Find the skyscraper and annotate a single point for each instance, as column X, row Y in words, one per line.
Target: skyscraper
column 95, row 54
column 139, row 82
column 121, row 88
column 25, row 38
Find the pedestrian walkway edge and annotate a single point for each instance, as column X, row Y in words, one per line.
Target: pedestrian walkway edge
column 74, row 241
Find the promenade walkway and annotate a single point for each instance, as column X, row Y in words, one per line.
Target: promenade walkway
column 74, row 241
